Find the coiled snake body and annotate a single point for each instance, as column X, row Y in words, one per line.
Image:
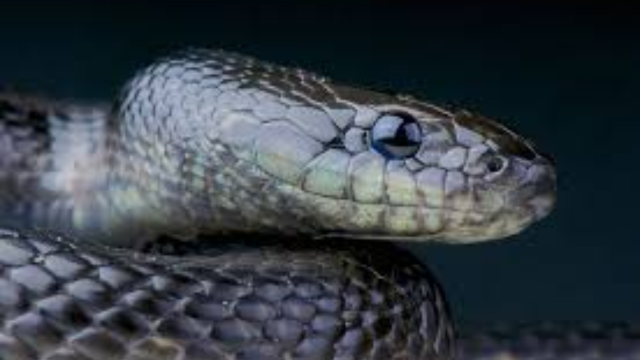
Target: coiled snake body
column 254, row 161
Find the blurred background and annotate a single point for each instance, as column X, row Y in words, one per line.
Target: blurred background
column 566, row 77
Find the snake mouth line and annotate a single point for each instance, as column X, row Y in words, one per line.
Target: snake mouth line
column 422, row 206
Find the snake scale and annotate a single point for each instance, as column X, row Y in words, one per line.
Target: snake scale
column 287, row 181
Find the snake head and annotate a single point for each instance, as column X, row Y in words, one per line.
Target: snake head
column 255, row 147
column 418, row 172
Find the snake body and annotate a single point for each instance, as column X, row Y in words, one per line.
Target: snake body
column 61, row 300
column 220, row 147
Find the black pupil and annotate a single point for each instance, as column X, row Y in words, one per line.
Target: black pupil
column 396, row 136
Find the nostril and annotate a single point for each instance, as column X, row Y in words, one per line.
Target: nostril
column 495, row 164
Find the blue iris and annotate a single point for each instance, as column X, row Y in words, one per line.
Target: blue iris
column 396, row 136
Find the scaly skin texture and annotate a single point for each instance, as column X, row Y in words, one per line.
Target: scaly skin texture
column 65, row 300
column 209, row 142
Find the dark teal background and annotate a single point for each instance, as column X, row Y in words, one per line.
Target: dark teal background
column 566, row 77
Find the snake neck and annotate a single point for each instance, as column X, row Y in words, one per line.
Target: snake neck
column 182, row 184
column 81, row 171
column 152, row 187
column 95, row 173
column 55, row 169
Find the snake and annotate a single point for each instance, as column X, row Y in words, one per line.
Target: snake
column 225, row 207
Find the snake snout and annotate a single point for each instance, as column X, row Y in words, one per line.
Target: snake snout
column 544, row 200
column 537, row 191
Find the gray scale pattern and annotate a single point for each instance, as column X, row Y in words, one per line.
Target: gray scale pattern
column 65, row 300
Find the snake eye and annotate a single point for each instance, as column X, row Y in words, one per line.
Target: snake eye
column 396, row 136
